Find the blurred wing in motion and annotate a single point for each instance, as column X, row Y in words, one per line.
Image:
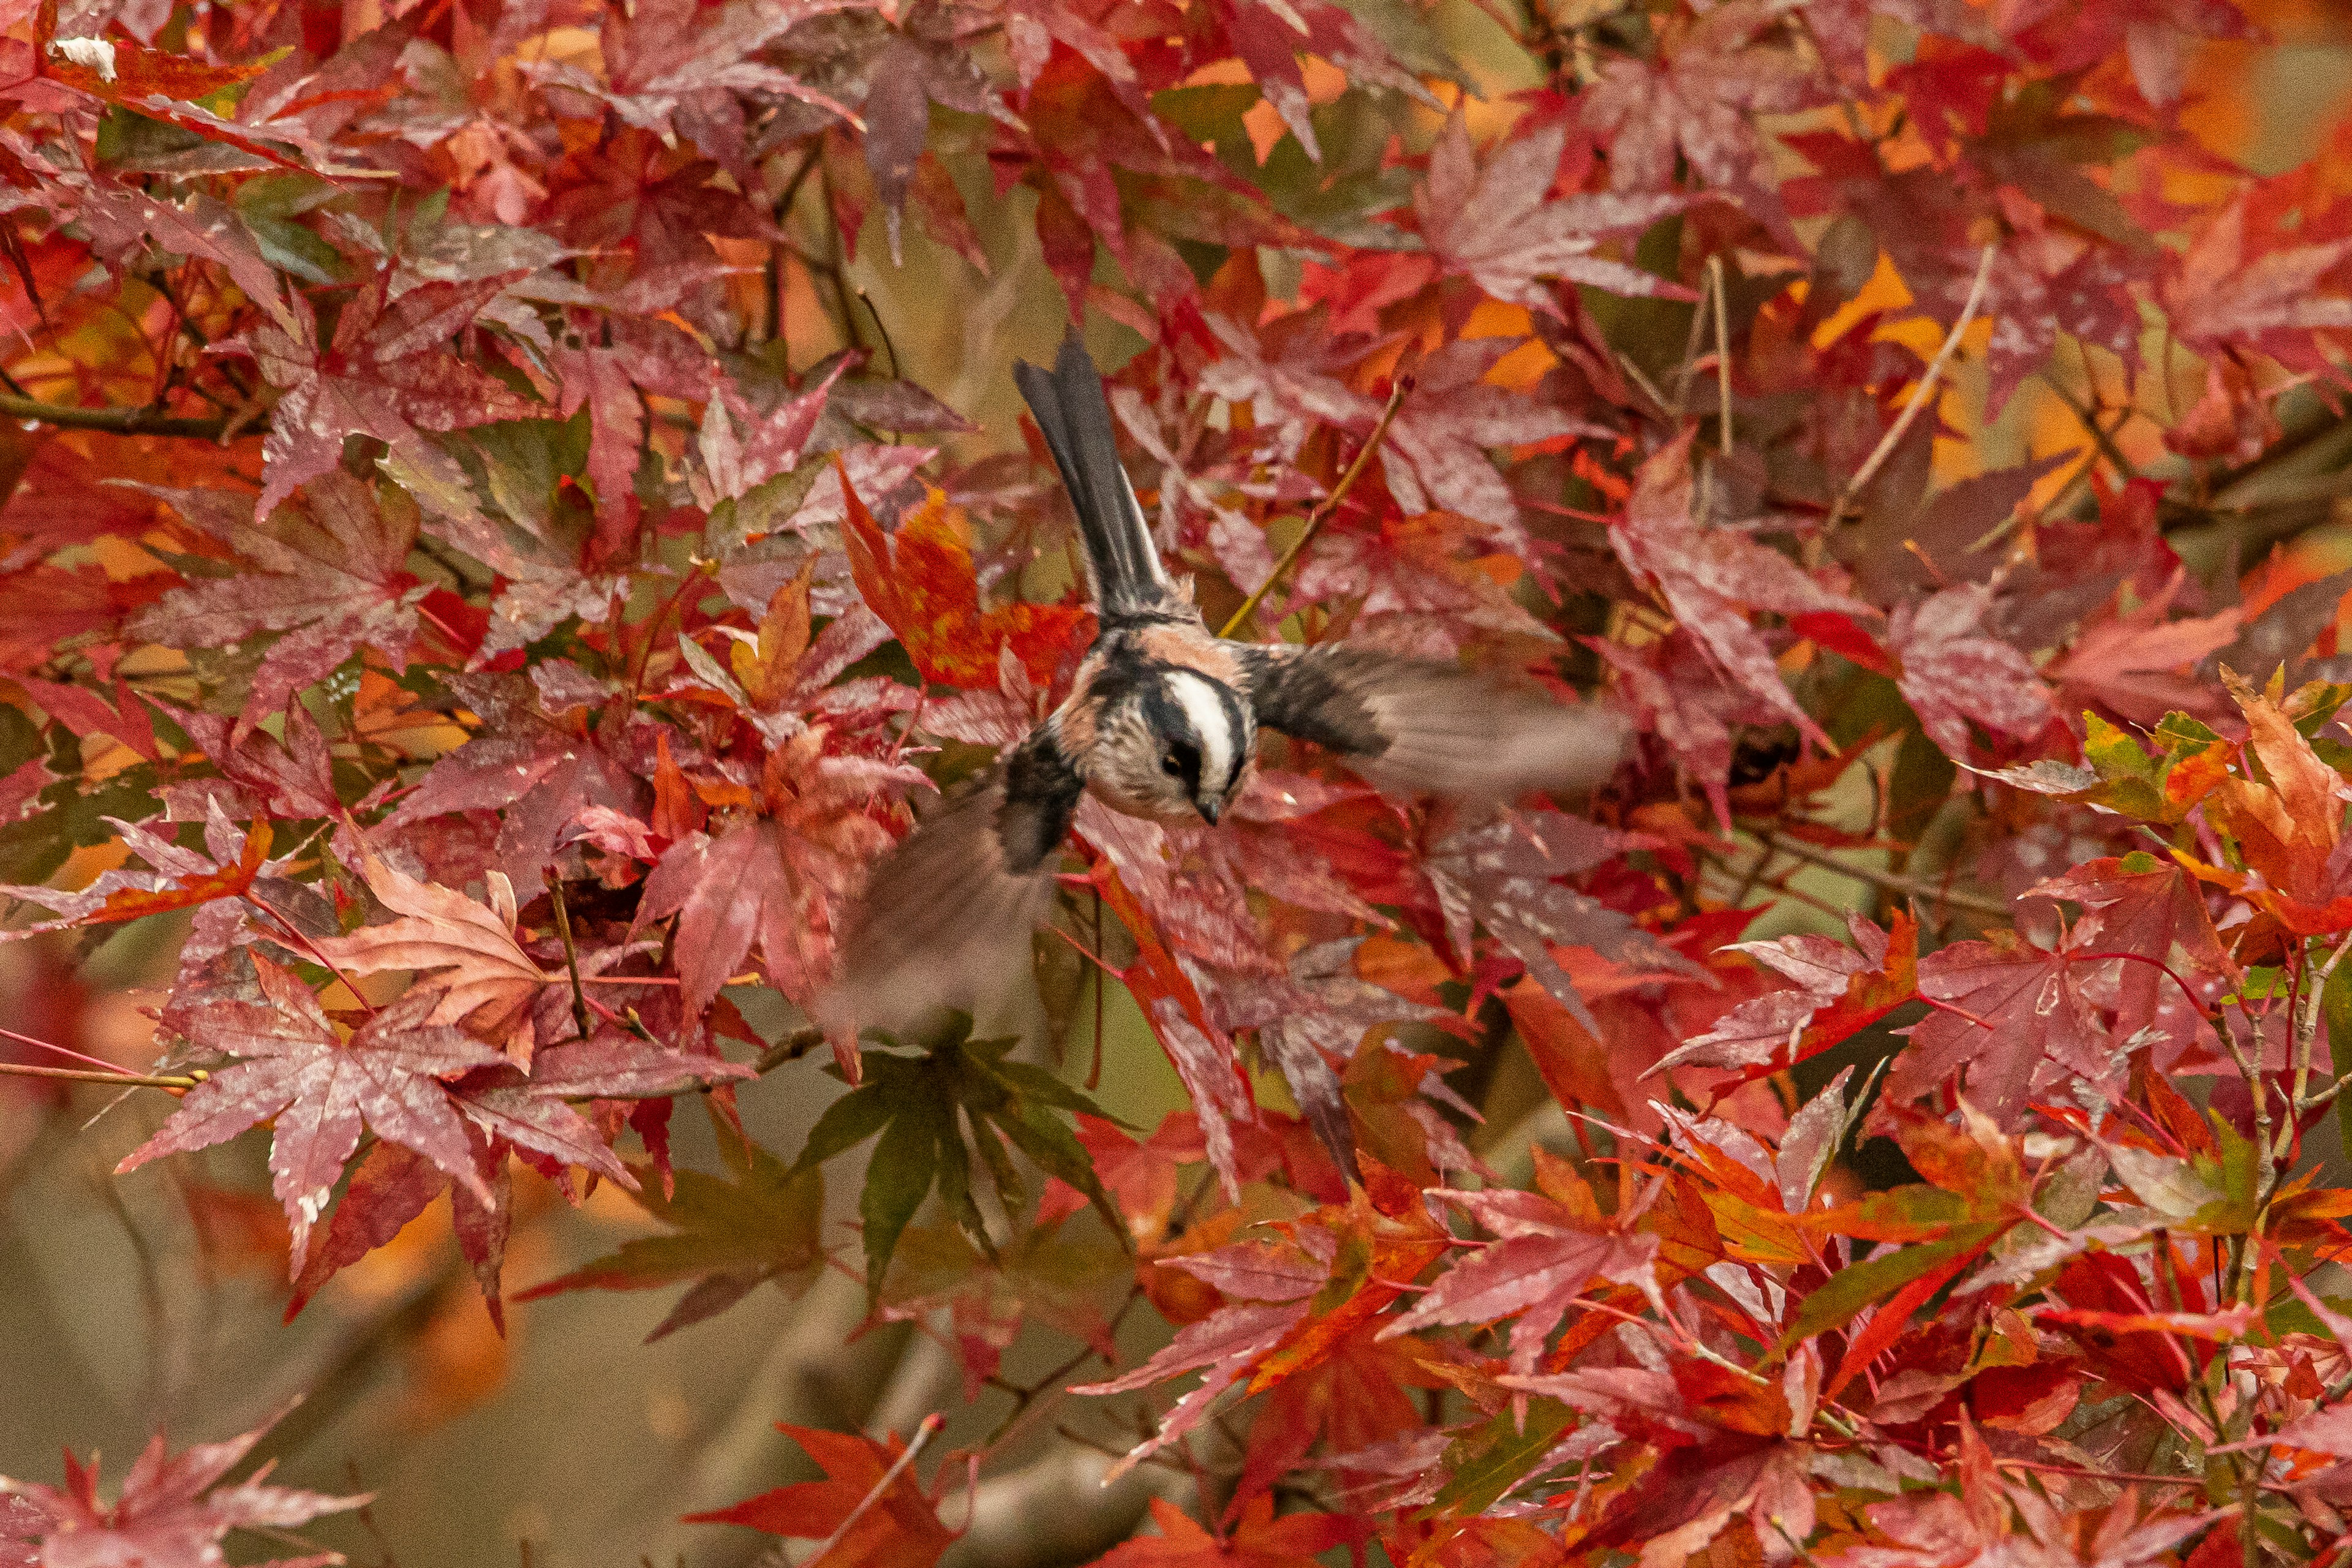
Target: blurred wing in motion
column 948, row 914
column 1422, row 727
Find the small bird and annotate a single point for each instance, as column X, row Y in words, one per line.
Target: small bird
column 1161, row 722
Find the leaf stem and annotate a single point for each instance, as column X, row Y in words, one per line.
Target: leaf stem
column 1920, row 393
column 329, row 964
column 1323, row 509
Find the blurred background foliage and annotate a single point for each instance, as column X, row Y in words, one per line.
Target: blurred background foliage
column 130, row 1304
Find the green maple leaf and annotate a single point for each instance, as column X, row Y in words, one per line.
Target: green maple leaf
column 728, row 1235
column 921, row 1105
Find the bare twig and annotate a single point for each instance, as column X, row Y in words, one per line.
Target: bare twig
column 1689, row 362
column 570, row 953
column 1722, row 350
column 924, row 1432
column 1892, row 881
column 883, row 328
column 2086, row 415
column 90, row 1075
column 791, row 1048
column 1920, row 393
column 119, row 421
column 1324, row 508
column 40, row 1044
column 2306, row 1020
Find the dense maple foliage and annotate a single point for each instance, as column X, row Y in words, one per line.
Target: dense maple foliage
column 471, row 561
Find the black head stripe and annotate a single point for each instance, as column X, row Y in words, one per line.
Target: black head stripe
column 1243, row 731
column 1166, row 716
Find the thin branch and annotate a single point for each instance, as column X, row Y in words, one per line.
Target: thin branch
column 90, row 1075
column 2102, row 439
column 1689, row 365
column 1722, row 350
column 1026, row 1396
column 117, row 421
column 1324, row 508
column 1892, row 881
column 570, row 953
column 1920, row 393
column 928, row 1429
column 39, row 1044
column 883, row 328
column 791, row 1048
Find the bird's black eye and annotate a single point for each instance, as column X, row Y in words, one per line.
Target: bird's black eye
column 1181, row 761
column 1171, row 766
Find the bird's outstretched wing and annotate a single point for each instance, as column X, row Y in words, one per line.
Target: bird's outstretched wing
column 1074, row 414
column 1422, row 728
column 947, row 915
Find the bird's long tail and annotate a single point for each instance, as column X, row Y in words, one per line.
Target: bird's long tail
column 1071, row 409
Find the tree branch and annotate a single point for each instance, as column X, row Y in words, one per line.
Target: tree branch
column 92, row 1075
column 1920, row 393
column 1323, row 508
column 121, row 421
column 1892, row 881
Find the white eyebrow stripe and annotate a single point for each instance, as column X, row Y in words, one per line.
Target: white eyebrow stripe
column 1197, row 695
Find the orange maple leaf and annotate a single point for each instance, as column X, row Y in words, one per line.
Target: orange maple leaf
column 2287, row 828
column 921, row 580
column 901, row 1529
column 188, row 891
column 1259, row 1540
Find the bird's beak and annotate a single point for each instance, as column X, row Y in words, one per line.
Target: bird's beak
column 1208, row 810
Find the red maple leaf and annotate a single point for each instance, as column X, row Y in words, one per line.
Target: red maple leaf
column 180, row 878
column 478, row 971
column 677, row 65
column 2011, row 1015
column 1840, row 990
column 2288, row 824
column 1544, row 1255
column 1502, row 225
column 332, row 576
column 158, row 85
column 386, row 373
column 2153, row 911
column 900, row 1529
column 289, row 1061
column 1955, row 670
column 392, row 1185
column 1505, row 875
column 1695, row 100
column 1711, row 576
column 779, row 881
column 1293, row 1301
column 504, row 1111
column 49, row 608
column 170, row 1513
column 540, row 769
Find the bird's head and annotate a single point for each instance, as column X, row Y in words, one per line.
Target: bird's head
column 1200, row 737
